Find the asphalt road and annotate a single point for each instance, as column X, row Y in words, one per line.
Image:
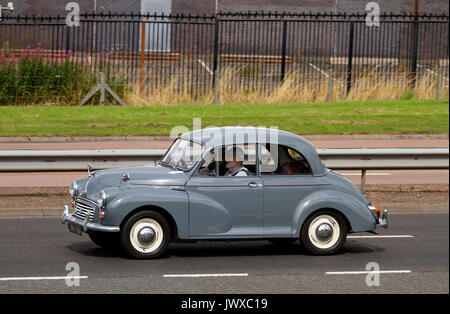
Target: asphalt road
column 416, row 260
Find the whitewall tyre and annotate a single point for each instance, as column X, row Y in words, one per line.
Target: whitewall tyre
column 324, row 233
column 145, row 235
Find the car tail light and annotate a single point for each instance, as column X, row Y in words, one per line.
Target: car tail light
column 376, row 212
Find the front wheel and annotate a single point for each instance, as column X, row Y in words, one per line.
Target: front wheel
column 324, row 233
column 145, row 235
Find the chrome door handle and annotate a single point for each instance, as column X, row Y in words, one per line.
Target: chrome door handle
column 253, row 185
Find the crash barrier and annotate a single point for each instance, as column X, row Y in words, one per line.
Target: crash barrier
column 336, row 159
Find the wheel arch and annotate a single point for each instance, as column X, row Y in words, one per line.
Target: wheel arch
column 356, row 214
column 170, row 220
column 329, row 209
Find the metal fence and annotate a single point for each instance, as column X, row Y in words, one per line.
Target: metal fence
column 255, row 51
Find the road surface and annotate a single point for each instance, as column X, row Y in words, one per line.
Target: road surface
column 412, row 255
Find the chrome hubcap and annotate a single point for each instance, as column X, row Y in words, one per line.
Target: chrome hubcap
column 146, row 236
column 324, row 232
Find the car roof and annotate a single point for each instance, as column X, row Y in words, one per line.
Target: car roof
column 214, row 137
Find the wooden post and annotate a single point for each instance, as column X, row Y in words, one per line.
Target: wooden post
column 142, row 72
column 102, row 88
column 438, row 83
column 330, row 86
column 216, row 90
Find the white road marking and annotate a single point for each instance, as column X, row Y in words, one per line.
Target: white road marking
column 205, row 275
column 42, row 278
column 380, row 236
column 368, row 272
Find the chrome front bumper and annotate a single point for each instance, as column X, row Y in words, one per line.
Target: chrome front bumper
column 85, row 223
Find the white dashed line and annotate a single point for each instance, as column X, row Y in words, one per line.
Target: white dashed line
column 42, row 278
column 205, row 275
column 380, row 236
column 368, row 272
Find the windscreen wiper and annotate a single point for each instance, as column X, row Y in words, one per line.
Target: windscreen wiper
column 165, row 163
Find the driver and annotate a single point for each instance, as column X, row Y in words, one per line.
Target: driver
column 234, row 158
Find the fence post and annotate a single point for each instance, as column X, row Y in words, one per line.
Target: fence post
column 142, row 72
column 283, row 51
column 215, row 60
column 102, row 89
column 415, row 47
column 330, row 85
column 350, row 56
column 438, row 83
column 67, row 39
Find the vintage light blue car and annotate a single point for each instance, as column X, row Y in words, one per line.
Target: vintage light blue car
column 222, row 183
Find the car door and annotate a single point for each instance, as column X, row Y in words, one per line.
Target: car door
column 283, row 188
column 226, row 206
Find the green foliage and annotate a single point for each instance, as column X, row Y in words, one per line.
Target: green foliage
column 346, row 117
column 32, row 78
column 408, row 95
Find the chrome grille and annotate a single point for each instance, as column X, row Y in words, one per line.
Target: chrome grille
column 83, row 208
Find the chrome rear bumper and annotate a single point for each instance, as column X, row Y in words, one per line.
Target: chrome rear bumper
column 85, row 223
column 383, row 221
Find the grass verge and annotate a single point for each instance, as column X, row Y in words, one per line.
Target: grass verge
column 347, row 117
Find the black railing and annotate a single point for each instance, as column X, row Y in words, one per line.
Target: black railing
column 257, row 50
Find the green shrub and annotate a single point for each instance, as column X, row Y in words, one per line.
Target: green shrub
column 31, row 78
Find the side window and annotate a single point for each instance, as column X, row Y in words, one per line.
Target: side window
column 237, row 160
column 282, row 160
column 231, row 160
column 209, row 165
column 268, row 162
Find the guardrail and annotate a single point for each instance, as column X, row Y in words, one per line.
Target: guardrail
column 385, row 159
column 337, row 159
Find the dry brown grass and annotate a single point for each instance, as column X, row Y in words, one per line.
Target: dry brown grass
column 295, row 88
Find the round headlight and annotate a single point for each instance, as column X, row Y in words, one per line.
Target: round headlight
column 101, row 199
column 73, row 190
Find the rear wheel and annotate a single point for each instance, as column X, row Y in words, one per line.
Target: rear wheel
column 324, row 233
column 145, row 235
